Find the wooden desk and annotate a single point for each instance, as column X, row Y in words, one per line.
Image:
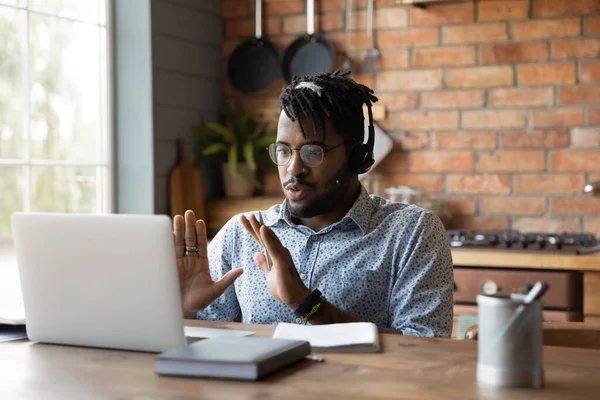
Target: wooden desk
column 407, row 368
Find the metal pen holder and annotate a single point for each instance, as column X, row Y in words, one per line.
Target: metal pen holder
column 510, row 343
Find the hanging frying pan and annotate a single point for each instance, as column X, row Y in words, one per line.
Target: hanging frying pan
column 254, row 64
column 308, row 54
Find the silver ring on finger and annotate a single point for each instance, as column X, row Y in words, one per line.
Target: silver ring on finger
column 190, row 251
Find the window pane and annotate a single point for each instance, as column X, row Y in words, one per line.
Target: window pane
column 12, row 82
column 11, row 197
column 65, row 89
column 84, row 10
column 63, row 189
column 18, row 3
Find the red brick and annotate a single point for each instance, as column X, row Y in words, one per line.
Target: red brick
column 398, row 101
column 444, row 56
column 542, row 139
column 512, row 205
column 460, row 205
column 440, row 161
column 235, row 8
column 557, row 117
column 481, row 223
column 330, row 5
column 428, row 120
column 407, row 37
column 547, row 225
column 229, row 45
column 394, row 58
column 593, row 177
column 546, row 74
column 592, row 225
column 453, row 99
column 508, row 161
column 390, row 122
column 512, row 53
column 501, row 10
column 386, row 18
column 475, row 33
column 576, row 206
column 395, row 161
column 366, row 80
column 409, row 80
column 575, row 161
column 352, row 41
column 592, row 24
column 283, row 7
column 579, row 95
column 479, row 183
column 410, row 140
column 245, row 27
column 590, row 71
column 546, row 28
column 464, row 140
column 432, row 183
column 594, row 116
column 521, row 97
column 443, row 14
column 488, row 119
column 548, row 183
column 323, row 23
column 549, row 8
column 479, row 77
column 575, row 48
column 585, row 137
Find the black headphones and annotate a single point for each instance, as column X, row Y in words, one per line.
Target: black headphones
column 361, row 158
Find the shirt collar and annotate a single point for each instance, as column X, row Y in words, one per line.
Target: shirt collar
column 359, row 213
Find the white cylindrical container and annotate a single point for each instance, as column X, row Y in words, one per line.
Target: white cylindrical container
column 509, row 357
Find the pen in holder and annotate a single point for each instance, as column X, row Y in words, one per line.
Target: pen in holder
column 509, row 347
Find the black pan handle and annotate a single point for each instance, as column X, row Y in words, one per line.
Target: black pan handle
column 310, row 17
column 589, row 250
column 258, row 21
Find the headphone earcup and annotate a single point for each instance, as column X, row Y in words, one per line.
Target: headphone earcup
column 361, row 159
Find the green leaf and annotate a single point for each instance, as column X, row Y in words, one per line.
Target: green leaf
column 248, row 150
column 213, row 149
column 223, row 131
column 233, row 159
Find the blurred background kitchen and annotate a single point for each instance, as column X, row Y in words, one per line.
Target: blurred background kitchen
column 489, row 114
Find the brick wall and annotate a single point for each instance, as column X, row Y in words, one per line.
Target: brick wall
column 493, row 105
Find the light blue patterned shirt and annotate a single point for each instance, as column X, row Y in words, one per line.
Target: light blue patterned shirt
column 387, row 263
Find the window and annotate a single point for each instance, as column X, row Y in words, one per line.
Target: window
column 54, row 116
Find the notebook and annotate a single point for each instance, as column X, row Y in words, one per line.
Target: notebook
column 244, row 358
column 352, row 337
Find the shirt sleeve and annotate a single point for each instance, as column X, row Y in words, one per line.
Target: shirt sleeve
column 421, row 302
column 220, row 251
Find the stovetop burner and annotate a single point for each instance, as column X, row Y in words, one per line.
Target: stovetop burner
column 511, row 239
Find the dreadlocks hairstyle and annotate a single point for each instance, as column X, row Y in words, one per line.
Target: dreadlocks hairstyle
column 332, row 96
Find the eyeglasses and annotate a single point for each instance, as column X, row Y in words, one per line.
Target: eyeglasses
column 312, row 155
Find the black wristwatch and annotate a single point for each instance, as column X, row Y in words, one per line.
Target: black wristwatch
column 306, row 306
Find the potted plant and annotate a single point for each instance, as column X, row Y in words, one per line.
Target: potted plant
column 239, row 143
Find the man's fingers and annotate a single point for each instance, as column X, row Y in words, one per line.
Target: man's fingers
column 190, row 228
column 250, row 228
column 226, row 281
column 178, row 231
column 261, row 261
column 201, row 239
column 271, row 242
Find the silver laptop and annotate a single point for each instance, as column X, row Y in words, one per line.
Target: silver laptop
column 100, row 280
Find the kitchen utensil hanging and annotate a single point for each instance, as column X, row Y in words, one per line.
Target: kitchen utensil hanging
column 308, row 54
column 255, row 63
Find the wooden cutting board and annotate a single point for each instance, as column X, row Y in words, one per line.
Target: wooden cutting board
column 185, row 188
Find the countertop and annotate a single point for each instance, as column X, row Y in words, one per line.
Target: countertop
column 470, row 257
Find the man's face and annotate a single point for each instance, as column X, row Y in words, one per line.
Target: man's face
column 312, row 191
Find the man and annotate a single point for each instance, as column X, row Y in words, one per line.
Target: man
column 335, row 253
